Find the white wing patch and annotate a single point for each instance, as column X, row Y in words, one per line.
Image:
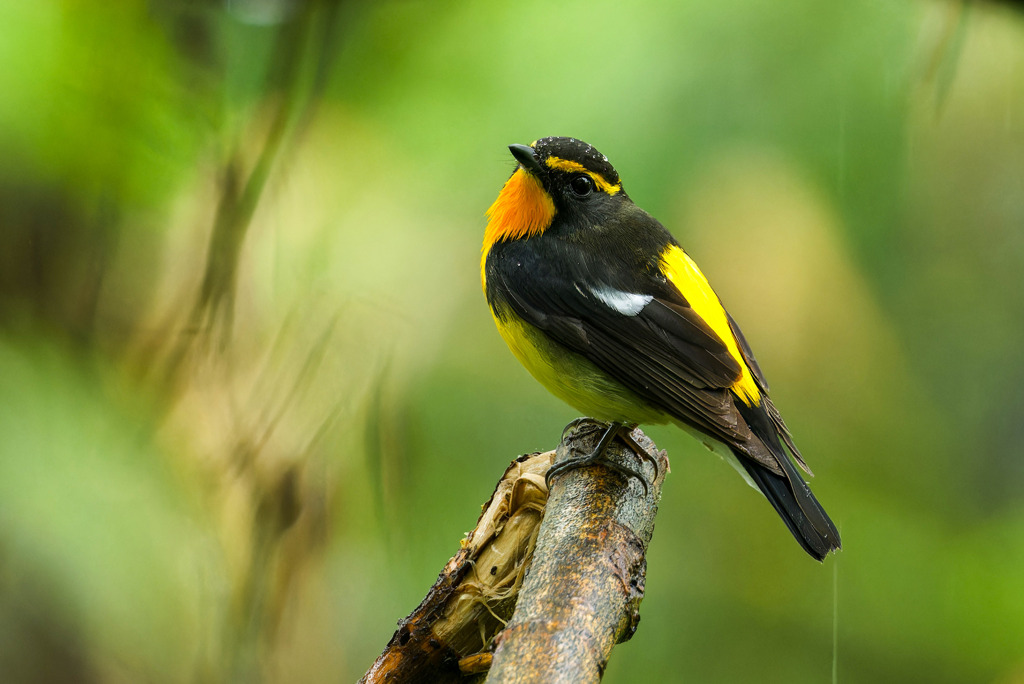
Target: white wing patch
column 626, row 303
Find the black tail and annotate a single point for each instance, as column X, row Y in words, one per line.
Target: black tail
column 787, row 492
column 795, row 503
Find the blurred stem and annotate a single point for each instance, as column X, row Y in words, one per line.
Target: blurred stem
column 941, row 67
column 299, row 65
column 240, row 197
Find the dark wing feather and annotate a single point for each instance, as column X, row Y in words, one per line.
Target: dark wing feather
column 748, row 355
column 762, row 384
column 665, row 353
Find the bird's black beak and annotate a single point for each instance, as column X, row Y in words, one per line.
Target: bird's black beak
column 524, row 155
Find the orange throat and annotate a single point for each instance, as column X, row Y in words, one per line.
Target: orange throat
column 523, row 209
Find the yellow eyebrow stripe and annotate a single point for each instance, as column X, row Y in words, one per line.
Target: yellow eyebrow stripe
column 681, row 270
column 559, row 164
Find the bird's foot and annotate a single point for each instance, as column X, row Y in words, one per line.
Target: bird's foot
column 583, row 427
column 611, row 431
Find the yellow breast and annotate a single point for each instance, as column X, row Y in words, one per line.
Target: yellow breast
column 572, row 378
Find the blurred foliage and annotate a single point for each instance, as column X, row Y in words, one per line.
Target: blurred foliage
column 252, row 396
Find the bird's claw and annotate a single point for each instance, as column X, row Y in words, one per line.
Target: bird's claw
column 597, row 455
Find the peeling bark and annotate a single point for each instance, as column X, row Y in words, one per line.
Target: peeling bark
column 476, row 591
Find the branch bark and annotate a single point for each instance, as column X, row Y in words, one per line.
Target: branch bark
column 575, row 580
column 583, row 591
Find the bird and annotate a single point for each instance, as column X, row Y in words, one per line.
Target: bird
column 601, row 304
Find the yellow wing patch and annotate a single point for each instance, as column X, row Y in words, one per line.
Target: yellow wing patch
column 559, row 164
column 680, row 269
column 523, row 208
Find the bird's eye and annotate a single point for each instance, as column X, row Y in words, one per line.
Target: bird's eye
column 581, row 185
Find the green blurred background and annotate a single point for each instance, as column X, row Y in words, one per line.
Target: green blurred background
column 252, row 396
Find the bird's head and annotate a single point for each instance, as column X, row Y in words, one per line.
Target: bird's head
column 562, row 177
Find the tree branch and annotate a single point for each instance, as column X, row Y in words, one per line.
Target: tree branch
column 584, row 584
column 583, row 591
